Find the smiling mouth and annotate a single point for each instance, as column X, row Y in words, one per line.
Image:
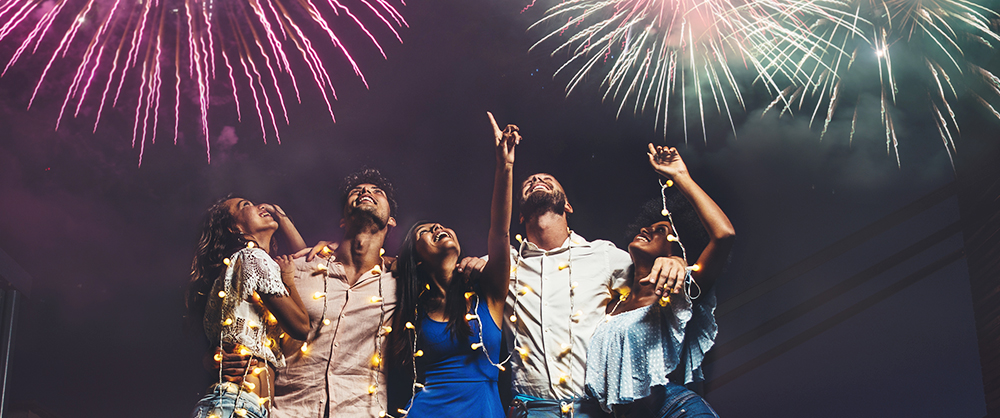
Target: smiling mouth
column 440, row 235
column 368, row 199
column 641, row 238
column 539, row 186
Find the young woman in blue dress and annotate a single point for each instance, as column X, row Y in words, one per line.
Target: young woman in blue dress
column 445, row 329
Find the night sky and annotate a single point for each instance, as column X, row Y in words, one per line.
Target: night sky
column 109, row 243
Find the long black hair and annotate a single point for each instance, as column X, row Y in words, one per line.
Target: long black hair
column 412, row 292
column 219, row 238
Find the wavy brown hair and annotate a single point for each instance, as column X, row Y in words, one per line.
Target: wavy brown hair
column 219, row 238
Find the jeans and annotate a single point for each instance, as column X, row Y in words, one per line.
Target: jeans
column 670, row 401
column 528, row 407
column 221, row 402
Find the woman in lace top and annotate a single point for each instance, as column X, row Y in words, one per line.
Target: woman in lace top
column 653, row 340
column 245, row 300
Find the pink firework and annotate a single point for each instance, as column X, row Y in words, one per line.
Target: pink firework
column 159, row 48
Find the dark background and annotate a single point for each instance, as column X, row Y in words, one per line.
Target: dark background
column 109, row 243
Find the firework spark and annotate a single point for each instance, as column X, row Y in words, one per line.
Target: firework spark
column 653, row 48
column 149, row 47
column 932, row 38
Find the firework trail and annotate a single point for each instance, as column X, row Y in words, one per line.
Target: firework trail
column 650, row 49
column 936, row 41
column 146, row 53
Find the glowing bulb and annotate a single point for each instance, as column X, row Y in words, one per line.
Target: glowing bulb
column 244, row 351
column 563, row 267
column 253, row 325
column 282, row 335
column 671, row 238
column 670, row 183
column 271, row 319
column 695, row 267
column 566, row 408
column 381, row 414
column 469, row 317
column 518, row 238
column 574, row 285
column 251, row 244
column 427, row 286
column 305, row 347
column 271, row 342
column 376, row 360
column 372, row 389
column 249, row 386
column 500, row 366
column 376, row 270
column 523, row 352
column 326, row 321
column 468, row 295
column 318, row 295
column 409, row 325
column 476, row 346
column 418, row 353
column 513, row 318
column 418, row 385
column 262, row 401
column 228, row 321
column 257, row 370
column 240, row 411
column 217, row 357
column 525, row 290
column 563, row 379
column 375, row 299
column 321, row 268
column 326, row 251
column 222, row 293
column 226, row 261
column 386, row 329
column 381, row 252
column 665, row 212
column 566, row 348
column 402, row 411
column 664, row 301
column 577, row 314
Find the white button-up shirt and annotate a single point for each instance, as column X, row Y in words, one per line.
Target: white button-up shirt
column 570, row 287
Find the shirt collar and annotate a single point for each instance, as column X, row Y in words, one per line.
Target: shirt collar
column 573, row 240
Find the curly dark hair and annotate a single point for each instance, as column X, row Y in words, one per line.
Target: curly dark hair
column 369, row 176
column 411, row 284
column 220, row 238
column 686, row 223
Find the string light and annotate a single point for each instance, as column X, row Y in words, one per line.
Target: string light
column 226, row 261
column 326, row 321
column 372, row 389
column 240, row 411
column 376, row 360
column 217, row 357
column 381, row 252
column 318, row 295
column 375, row 299
column 222, row 294
column 565, row 407
column 228, row 321
column 305, row 347
column 418, row 353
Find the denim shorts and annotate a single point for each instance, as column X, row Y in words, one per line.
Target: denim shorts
column 670, row 401
column 528, row 407
column 221, row 402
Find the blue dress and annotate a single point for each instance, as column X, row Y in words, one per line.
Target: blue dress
column 458, row 381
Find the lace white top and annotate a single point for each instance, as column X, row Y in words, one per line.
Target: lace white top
column 238, row 316
column 634, row 351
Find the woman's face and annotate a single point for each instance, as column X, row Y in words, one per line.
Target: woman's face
column 652, row 240
column 433, row 242
column 250, row 219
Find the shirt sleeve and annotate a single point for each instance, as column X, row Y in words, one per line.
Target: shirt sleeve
column 262, row 274
column 619, row 264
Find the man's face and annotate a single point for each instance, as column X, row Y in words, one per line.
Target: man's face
column 541, row 193
column 367, row 203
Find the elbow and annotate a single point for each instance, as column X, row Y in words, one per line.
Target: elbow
column 726, row 234
column 299, row 330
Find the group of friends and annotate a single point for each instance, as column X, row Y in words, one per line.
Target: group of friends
column 340, row 330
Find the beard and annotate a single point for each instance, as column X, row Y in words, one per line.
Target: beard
column 539, row 203
column 365, row 217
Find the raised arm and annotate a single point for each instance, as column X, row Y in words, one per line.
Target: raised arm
column 496, row 274
column 286, row 228
column 668, row 163
column 288, row 310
